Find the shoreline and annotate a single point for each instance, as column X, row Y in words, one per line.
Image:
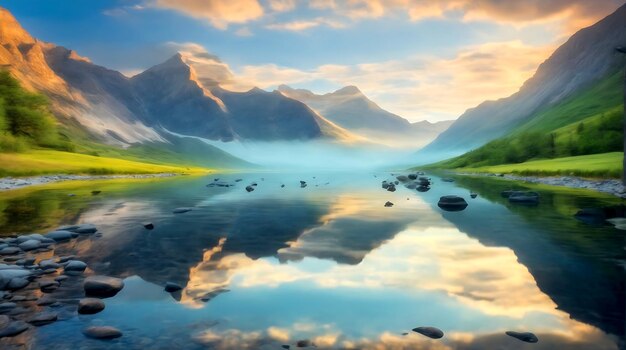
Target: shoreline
column 610, row 186
column 12, row 183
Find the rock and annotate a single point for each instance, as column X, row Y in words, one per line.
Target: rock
column 148, row 225
column 431, row 332
column 46, row 300
column 285, row 346
column 591, row 216
column 13, row 329
column 4, row 321
column 181, row 210
column 282, row 186
column 524, row 197
column 48, row 286
column 402, row 178
column 90, row 306
column 86, row 229
column 68, row 228
column 391, row 188
column 48, row 264
column 447, row 179
column 60, row 236
column 75, row 266
column 238, row 180
column 102, row 286
column 249, row 188
column 171, row 287
column 423, row 188
column 523, row 336
column 303, row 184
column 304, row 343
column 452, row 203
column 95, row 193
column 30, row 244
column 473, row 195
column 25, row 262
column 24, row 238
column 4, row 307
column 508, row 193
column 17, row 283
column 42, row 319
column 388, row 204
column 7, row 275
column 412, row 176
column 64, row 259
column 102, row 332
column 10, row 251
column 424, row 181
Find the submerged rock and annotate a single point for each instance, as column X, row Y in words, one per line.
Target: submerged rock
column 452, row 203
column 86, row 229
column 90, row 306
column 148, row 226
column 249, row 188
column 304, row 343
column 473, row 195
column 102, row 286
column 431, row 332
column 102, row 332
column 181, row 210
column 523, row 336
column 447, row 179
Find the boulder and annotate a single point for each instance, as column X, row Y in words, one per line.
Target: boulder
column 452, row 203
column 102, row 286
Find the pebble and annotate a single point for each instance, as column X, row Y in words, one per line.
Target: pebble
column 13, row 329
column 42, row 319
column 75, row 266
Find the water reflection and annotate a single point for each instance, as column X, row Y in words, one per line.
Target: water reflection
column 331, row 264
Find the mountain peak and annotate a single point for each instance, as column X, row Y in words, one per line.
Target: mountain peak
column 348, row 90
column 11, row 32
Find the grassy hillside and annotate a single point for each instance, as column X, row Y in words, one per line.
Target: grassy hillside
column 33, row 141
column 605, row 165
column 38, row 162
column 589, row 122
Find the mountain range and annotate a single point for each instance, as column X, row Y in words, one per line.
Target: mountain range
column 173, row 100
column 586, row 59
column 349, row 108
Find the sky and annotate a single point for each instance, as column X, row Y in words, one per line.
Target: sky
column 421, row 59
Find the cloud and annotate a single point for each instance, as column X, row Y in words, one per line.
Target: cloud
column 282, row 5
column 244, row 31
column 219, row 13
column 573, row 13
column 294, row 26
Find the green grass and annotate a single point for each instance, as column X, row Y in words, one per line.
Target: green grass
column 605, row 165
column 39, row 162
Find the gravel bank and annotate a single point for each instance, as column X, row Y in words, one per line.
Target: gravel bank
column 611, row 186
column 11, row 183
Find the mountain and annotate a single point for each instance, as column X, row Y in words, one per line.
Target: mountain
column 584, row 60
column 349, row 108
column 177, row 100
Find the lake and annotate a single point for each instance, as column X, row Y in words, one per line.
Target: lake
column 328, row 263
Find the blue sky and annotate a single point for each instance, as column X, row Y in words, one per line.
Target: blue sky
column 415, row 58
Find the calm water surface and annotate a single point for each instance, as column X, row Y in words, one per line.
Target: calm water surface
column 329, row 263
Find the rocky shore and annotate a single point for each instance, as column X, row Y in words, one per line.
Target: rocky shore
column 611, row 186
column 11, row 183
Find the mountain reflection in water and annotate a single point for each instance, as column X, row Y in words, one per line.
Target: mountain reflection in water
column 329, row 263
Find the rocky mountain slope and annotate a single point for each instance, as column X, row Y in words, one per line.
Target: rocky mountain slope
column 349, row 108
column 586, row 58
